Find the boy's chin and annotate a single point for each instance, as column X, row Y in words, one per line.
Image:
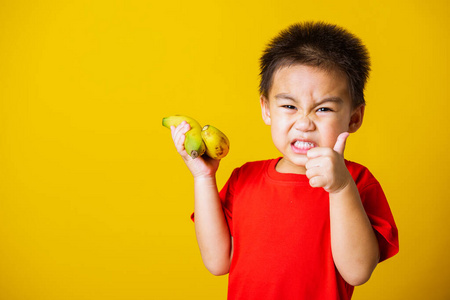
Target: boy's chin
column 293, row 164
column 298, row 160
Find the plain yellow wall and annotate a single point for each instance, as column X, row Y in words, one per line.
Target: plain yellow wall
column 94, row 200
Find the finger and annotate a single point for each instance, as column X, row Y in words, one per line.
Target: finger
column 175, row 129
column 318, row 151
column 179, row 141
column 317, row 181
column 178, row 135
column 313, row 172
column 313, row 153
column 339, row 147
column 180, row 130
column 312, row 163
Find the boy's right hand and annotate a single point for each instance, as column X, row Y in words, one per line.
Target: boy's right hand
column 202, row 166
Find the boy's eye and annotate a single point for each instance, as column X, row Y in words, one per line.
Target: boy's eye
column 289, row 106
column 323, row 109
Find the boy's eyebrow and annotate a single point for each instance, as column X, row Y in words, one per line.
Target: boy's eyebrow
column 284, row 96
column 336, row 100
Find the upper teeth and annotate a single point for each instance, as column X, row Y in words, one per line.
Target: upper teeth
column 303, row 145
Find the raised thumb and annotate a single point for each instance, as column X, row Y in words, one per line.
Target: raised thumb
column 339, row 147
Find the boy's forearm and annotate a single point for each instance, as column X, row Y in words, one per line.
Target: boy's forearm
column 213, row 235
column 353, row 242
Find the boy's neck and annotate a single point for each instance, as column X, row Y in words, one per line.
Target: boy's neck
column 285, row 166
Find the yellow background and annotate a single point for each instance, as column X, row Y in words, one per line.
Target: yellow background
column 94, row 200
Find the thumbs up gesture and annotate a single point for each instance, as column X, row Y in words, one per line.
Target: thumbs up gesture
column 326, row 167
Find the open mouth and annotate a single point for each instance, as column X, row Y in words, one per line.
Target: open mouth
column 302, row 147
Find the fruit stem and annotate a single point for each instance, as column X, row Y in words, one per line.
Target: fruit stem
column 194, row 154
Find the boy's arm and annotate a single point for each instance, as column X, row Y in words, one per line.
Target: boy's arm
column 211, row 228
column 353, row 242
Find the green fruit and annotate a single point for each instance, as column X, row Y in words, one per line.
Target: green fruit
column 193, row 143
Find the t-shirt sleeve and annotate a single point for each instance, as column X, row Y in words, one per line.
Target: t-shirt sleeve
column 226, row 196
column 381, row 218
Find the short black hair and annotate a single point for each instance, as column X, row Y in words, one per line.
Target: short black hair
column 321, row 45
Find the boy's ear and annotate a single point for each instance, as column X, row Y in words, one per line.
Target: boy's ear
column 265, row 111
column 356, row 118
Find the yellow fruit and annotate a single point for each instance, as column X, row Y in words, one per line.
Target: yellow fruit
column 193, row 144
column 217, row 143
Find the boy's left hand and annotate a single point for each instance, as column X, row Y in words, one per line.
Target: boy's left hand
column 326, row 167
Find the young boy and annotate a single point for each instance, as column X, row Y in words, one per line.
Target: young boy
column 307, row 225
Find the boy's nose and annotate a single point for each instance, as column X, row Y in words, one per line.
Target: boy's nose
column 304, row 123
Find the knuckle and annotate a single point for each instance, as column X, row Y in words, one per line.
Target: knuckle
column 316, row 181
column 308, row 166
column 328, row 161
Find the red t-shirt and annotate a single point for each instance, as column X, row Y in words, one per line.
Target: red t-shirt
column 281, row 233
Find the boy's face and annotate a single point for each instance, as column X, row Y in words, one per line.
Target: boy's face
column 307, row 107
